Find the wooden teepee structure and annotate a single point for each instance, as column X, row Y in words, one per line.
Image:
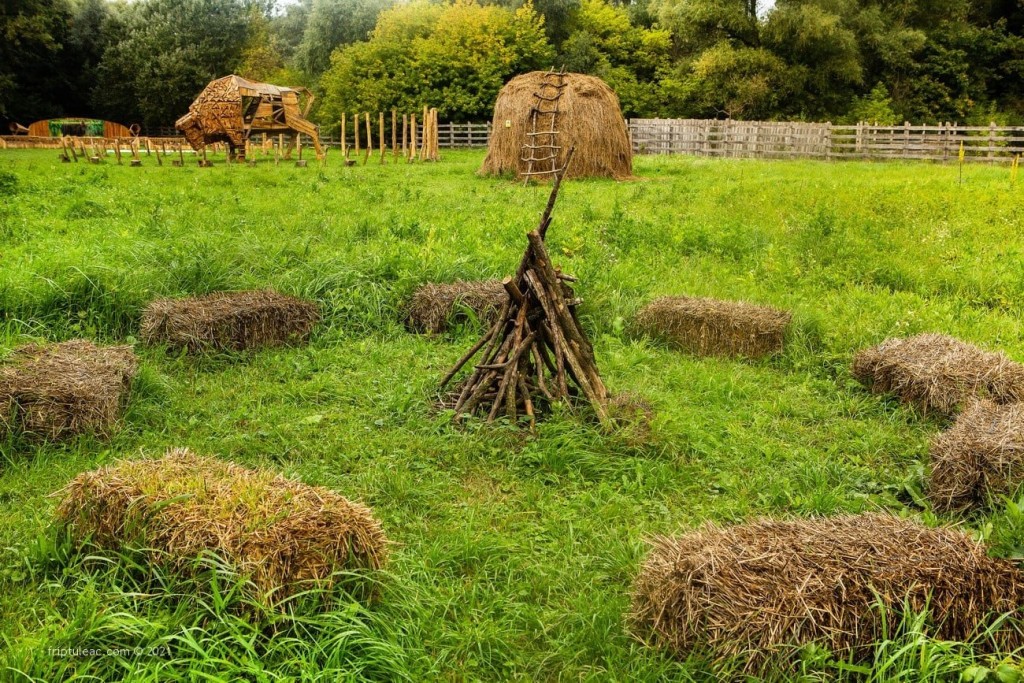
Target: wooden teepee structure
column 536, row 352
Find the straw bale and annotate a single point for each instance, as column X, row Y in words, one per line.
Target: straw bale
column 435, row 306
column 589, row 119
column 53, row 391
column 755, row 590
column 281, row 534
column 229, row 320
column 979, row 458
column 938, row 373
column 711, row 327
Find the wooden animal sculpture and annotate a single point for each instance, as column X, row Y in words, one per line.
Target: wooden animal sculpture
column 230, row 109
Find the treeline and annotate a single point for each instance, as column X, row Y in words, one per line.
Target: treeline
column 841, row 60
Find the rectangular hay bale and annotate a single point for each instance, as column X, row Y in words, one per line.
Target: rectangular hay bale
column 281, row 534
column 229, row 321
column 53, row 391
column 711, row 327
column 435, row 306
column 758, row 590
column 979, row 458
column 938, row 373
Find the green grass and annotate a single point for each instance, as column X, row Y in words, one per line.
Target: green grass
column 515, row 554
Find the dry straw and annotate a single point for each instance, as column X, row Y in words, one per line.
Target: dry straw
column 434, row 307
column 281, row 534
column 57, row 390
column 589, row 119
column 980, row 457
column 755, row 590
column 710, row 327
column 229, row 320
column 938, row 373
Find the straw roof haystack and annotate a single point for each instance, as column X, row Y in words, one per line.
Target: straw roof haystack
column 435, row 306
column 53, row 391
column 586, row 116
column 710, row 327
column 979, row 458
column 938, row 373
column 279, row 533
column 754, row 590
column 229, row 320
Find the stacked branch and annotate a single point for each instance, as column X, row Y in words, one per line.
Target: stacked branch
column 537, row 352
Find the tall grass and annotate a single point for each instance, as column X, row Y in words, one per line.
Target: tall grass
column 515, row 553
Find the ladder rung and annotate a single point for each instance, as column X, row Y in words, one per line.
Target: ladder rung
column 542, row 147
column 553, row 156
column 540, row 172
column 544, row 132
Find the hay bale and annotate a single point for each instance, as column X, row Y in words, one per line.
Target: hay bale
column 754, row 590
column 53, row 391
column 589, row 119
column 710, row 327
column 229, row 320
column 980, row 457
column 938, row 373
column 434, row 306
column 279, row 533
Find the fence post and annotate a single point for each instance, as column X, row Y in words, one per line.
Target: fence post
column 991, row 141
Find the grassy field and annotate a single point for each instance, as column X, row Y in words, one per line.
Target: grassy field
column 514, row 554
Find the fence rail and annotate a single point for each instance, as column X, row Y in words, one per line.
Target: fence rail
column 771, row 139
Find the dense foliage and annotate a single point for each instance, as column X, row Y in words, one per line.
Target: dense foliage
column 840, row 60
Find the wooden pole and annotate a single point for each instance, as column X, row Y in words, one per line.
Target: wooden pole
column 117, row 150
column 159, row 161
column 355, row 126
column 344, row 143
column 181, row 155
column 412, row 133
column 369, row 138
column 380, row 137
column 394, row 134
column 426, row 133
column 405, row 135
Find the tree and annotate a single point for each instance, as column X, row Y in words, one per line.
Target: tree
column 454, row 57
column 604, row 42
column 733, row 82
column 332, row 24
column 169, row 51
column 32, row 34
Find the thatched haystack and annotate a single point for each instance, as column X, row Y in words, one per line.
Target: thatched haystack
column 53, row 391
column 980, row 457
column 281, row 534
column 588, row 119
column 938, row 373
column 434, row 306
column 710, row 327
column 229, row 320
column 754, row 590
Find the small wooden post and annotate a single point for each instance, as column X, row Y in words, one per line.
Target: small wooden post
column 991, row 141
column 355, row 118
column 369, row 138
column 394, row 134
column 159, row 161
column 426, row 134
column 380, row 137
column 149, row 150
column 117, row 150
column 74, row 154
column 344, row 143
column 405, row 135
column 412, row 138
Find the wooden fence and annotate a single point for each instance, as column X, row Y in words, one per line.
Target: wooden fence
column 760, row 139
column 783, row 140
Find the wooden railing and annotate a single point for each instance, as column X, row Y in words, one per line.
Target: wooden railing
column 775, row 140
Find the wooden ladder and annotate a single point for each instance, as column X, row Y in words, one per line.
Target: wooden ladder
column 541, row 151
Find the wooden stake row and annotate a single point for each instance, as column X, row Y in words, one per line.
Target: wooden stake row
column 410, row 150
column 536, row 353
